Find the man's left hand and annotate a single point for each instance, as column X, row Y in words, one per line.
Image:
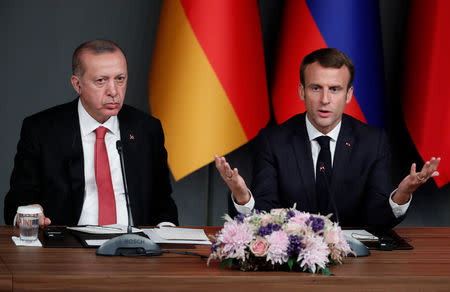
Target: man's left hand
column 415, row 179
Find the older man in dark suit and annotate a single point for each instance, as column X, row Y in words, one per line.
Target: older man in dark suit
column 326, row 161
column 67, row 162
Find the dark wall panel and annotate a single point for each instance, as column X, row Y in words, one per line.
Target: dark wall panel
column 38, row 38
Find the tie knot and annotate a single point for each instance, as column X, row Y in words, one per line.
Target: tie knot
column 100, row 132
column 324, row 141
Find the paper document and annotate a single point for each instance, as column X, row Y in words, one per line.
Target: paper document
column 177, row 235
column 360, row 234
column 104, row 229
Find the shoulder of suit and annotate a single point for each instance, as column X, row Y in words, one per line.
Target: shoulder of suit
column 288, row 126
column 130, row 112
column 55, row 113
column 359, row 127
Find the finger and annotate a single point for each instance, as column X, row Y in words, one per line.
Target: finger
column 436, row 173
column 412, row 172
column 47, row 221
column 41, row 220
column 435, row 163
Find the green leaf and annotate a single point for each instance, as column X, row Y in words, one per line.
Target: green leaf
column 290, row 263
column 225, row 262
column 327, row 272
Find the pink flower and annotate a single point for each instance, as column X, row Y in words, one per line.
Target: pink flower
column 331, row 236
column 314, row 254
column 277, row 212
column 292, row 228
column 235, row 237
column 259, row 247
column 266, row 219
column 278, row 243
column 300, row 218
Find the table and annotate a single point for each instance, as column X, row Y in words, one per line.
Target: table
column 425, row 268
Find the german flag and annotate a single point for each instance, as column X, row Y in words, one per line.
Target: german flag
column 208, row 80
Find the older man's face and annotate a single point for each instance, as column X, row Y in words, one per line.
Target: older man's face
column 103, row 85
column 325, row 95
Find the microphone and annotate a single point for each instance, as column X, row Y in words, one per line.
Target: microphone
column 322, row 172
column 128, row 244
column 358, row 248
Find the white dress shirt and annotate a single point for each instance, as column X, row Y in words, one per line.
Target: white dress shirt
column 313, row 133
column 89, row 213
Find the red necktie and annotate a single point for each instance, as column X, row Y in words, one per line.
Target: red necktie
column 106, row 201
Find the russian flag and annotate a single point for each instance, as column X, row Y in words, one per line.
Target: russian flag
column 426, row 98
column 208, row 79
column 353, row 27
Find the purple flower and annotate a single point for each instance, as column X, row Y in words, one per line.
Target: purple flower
column 317, row 223
column 295, row 244
column 289, row 215
column 268, row 229
column 240, row 218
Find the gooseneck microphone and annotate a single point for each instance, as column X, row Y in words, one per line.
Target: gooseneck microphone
column 125, row 184
column 128, row 244
column 322, row 172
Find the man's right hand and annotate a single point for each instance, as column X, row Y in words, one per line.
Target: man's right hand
column 234, row 181
column 43, row 221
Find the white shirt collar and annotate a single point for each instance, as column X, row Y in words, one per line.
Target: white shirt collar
column 88, row 124
column 313, row 133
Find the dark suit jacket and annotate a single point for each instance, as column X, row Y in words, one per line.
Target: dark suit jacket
column 49, row 167
column 283, row 172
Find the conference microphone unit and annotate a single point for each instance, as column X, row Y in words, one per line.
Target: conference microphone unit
column 128, row 244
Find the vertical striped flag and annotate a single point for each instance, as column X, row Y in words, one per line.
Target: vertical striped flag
column 207, row 81
column 353, row 27
column 426, row 99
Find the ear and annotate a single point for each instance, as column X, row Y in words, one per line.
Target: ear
column 301, row 92
column 76, row 83
column 349, row 95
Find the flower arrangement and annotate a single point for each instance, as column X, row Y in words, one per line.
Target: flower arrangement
column 280, row 239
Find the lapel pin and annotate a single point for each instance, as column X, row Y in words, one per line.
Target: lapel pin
column 347, row 144
column 131, row 137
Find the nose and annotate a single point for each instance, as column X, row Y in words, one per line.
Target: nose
column 325, row 97
column 111, row 88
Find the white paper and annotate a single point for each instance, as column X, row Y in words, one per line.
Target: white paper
column 95, row 242
column 153, row 235
column 360, row 234
column 172, row 233
column 19, row 242
column 104, row 229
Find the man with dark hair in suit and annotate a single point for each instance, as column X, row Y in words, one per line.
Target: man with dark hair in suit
column 325, row 161
column 67, row 162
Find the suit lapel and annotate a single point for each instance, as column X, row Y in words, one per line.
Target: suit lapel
column 130, row 137
column 305, row 165
column 76, row 163
column 342, row 154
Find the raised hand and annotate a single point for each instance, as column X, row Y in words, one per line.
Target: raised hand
column 415, row 179
column 234, row 181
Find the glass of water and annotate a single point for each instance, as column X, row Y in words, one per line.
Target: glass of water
column 28, row 221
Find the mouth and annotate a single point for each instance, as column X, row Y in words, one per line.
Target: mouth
column 112, row 105
column 324, row 113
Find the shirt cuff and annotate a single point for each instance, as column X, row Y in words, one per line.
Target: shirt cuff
column 166, row 224
column 398, row 210
column 247, row 208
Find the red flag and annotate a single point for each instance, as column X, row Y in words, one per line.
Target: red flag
column 426, row 99
column 208, row 81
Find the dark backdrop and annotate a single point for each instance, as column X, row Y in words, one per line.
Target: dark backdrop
column 37, row 40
